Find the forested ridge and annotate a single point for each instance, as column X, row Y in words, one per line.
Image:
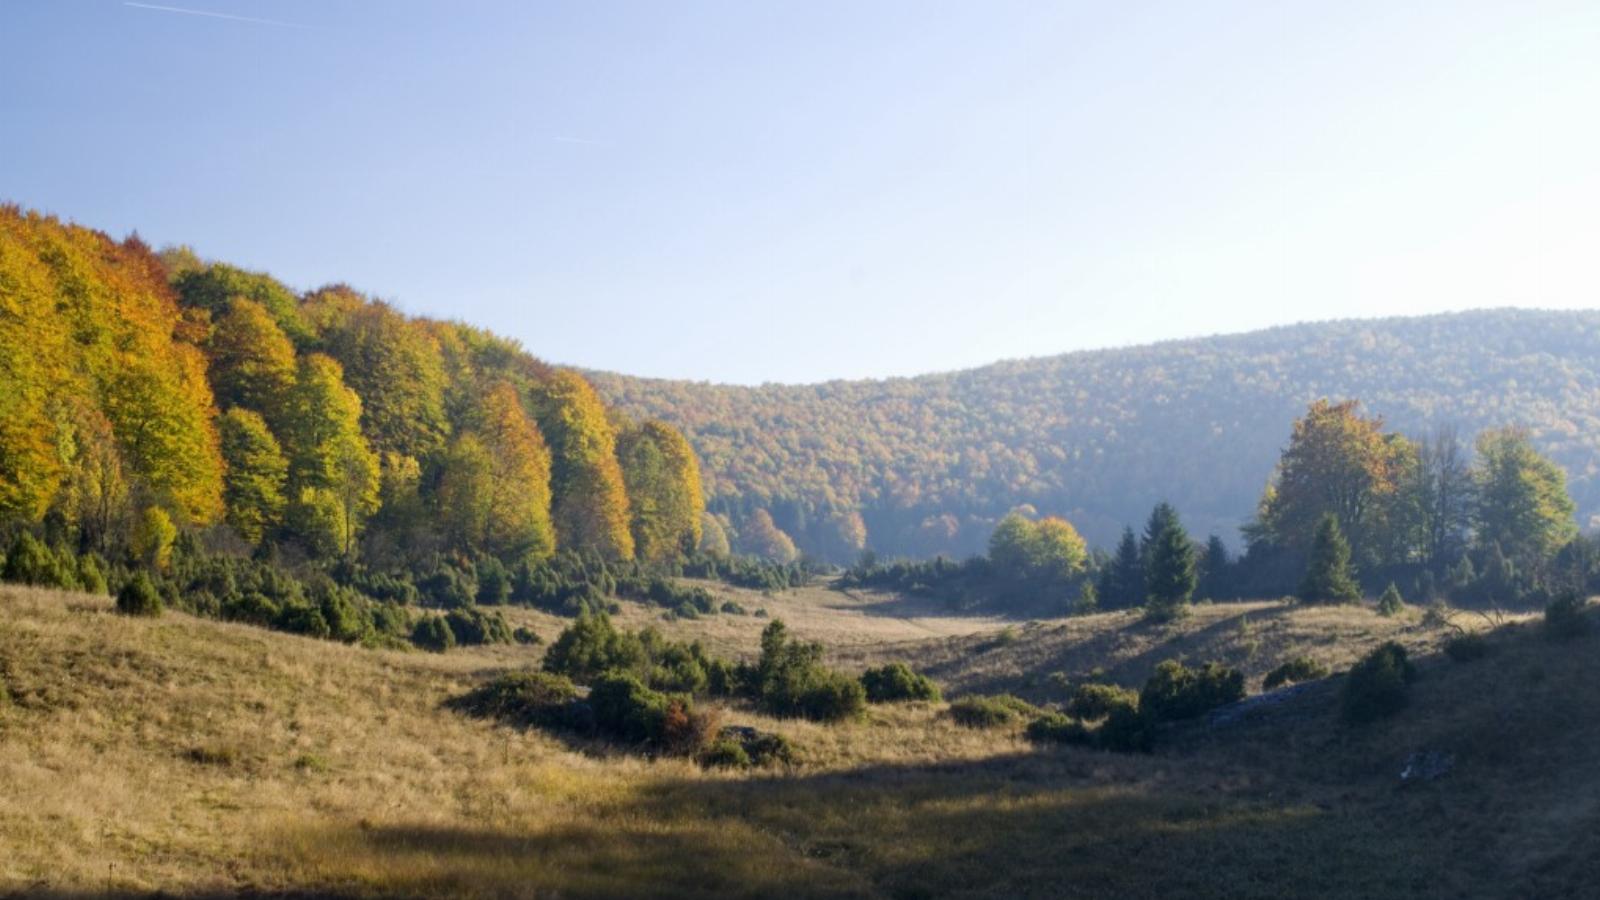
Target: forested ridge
column 925, row 465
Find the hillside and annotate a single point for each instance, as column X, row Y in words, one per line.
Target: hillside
column 930, row 463
column 207, row 758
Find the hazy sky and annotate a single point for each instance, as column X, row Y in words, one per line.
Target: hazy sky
column 792, row 191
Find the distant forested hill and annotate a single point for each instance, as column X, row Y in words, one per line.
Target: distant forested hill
column 924, row 465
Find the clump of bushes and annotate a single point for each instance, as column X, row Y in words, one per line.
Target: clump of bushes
column 523, row 698
column 432, row 633
column 591, row 646
column 790, row 680
column 997, row 711
column 741, row 748
column 472, row 626
column 626, row 710
column 1564, row 619
column 1093, row 701
column 1057, row 728
column 1379, row 685
column 30, row 561
column 1294, row 671
column 897, row 682
column 1467, row 647
column 1176, row 691
column 139, row 597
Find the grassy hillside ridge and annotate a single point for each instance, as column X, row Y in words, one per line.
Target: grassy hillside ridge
column 201, row 757
column 1100, row 436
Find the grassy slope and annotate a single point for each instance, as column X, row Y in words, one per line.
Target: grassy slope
column 196, row 756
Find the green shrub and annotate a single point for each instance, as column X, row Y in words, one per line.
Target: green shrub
column 1378, row 685
column 29, row 561
column 1176, row 691
column 1390, row 603
column 523, row 698
column 896, row 682
column 768, row 748
column 1127, row 730
column 1301, row 668
column 1056, row 728
column 1467, row 647
column 494, row 582
column 472, row 626
column 1093, row 701
column 790, row 680
column 92, row 575
column 431, row 633
column 526, row 636
column 625, row 709
column 725, row 753
column 590, row 646
column 1564, row 618
column 253, row 607
column 301, row 618
column 139, row 597
column 450, row 587
column 996, row 711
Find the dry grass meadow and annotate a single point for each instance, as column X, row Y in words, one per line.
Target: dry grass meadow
column 201, row 758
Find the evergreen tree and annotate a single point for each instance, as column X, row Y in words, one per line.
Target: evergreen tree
column 1122, row 580
column 1170, row 576
column 1390, row 603
column 1328, row 577
column 1216, row 582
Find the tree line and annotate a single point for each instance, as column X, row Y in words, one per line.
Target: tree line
column 146, row 397
column 1350, row 509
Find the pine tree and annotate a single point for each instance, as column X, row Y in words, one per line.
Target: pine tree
column 1170, row 578
column 1215, row 568
column 1328, row 577
column 1390, row 603
column 1122, row 580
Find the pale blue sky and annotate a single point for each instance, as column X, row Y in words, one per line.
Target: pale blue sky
column 761, row 191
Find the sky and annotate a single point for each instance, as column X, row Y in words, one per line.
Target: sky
column 764, row 191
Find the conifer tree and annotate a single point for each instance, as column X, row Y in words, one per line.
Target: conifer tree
column 1170, row 576
column 1215, row 566
column 1122, row 580
column 1328, row 577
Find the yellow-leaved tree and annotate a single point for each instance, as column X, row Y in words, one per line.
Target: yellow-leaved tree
column 589, row 499
column 664, row 492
